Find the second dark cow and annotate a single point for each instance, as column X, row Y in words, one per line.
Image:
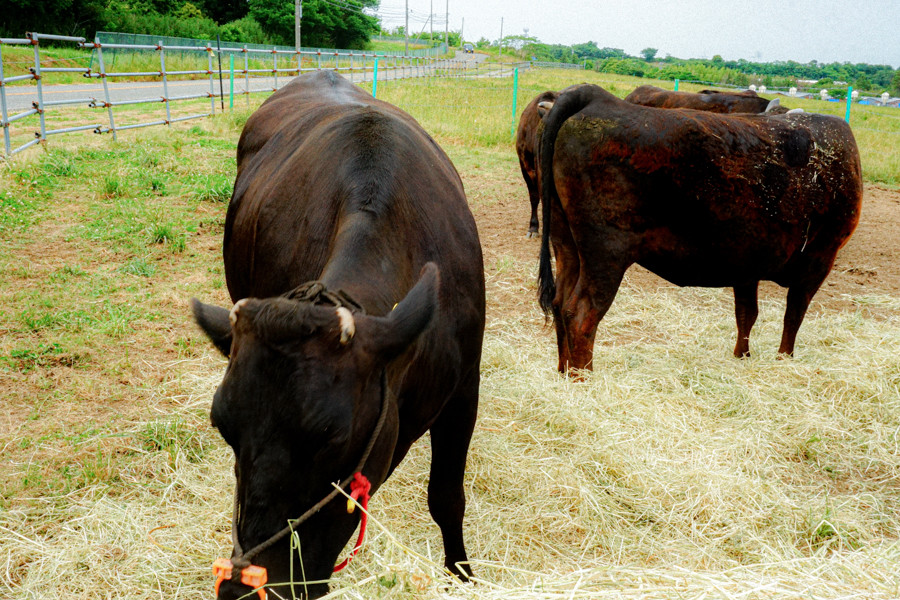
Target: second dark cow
column 530, row 124
column 698, row 198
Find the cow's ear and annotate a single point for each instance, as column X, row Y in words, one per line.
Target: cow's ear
column 390, row 335
column 213, row 320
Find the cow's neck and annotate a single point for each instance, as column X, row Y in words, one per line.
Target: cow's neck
column 368, row 264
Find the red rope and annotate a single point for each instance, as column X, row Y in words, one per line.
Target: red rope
column 359, row 490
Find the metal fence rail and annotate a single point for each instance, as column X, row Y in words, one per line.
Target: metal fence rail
column 254, row 69
column 556, row 65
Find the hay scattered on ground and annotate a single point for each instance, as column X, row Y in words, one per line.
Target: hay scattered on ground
column 673, row 471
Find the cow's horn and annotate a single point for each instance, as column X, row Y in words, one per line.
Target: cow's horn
column 233, row 315
column 348, row 326
column 544, row 107
column 772, row 104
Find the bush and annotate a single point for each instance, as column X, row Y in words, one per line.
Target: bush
column 245, row 30
column 627, row 66
column 162, row 25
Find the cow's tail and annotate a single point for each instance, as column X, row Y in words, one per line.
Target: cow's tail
column 567, row 104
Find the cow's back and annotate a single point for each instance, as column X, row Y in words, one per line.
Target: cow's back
column 706, row 100
column 318, row 158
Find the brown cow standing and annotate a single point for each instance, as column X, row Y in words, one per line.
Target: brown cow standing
column 526, row 143
column 357, row 273
column 527, row 134
column 709, row 100
column 698, row 198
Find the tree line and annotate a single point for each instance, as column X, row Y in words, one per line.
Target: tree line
column 326, row 23
column 778, row 74
column 347, row 24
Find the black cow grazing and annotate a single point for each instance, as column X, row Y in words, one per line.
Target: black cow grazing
column 698, row 198
column 357, row 273
column 709, row 100
column 526, row 142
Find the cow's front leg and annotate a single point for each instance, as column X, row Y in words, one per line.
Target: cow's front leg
column 450, row 436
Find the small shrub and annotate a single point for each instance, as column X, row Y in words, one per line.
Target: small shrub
column 113, row 187
column 139, row 267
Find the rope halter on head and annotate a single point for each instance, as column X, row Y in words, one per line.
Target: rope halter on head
column 239, row 568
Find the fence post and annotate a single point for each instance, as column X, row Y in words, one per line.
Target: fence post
column 512, row 129
column 375, row 79
column 40, row 92
column 849, row 99
column 3, row 122
column 676, row 85
column 275, row 65
column 247, row 75
column 162, row 66
column 212, row 86
column 112, row 124
column 231, row 85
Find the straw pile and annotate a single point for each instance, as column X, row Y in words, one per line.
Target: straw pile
column 674, row 471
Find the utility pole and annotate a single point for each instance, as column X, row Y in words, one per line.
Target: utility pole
column 461, row 29
column 298, row 17
column 501, row 36
column 447, row 26
column 406, row 29
column 431, row 19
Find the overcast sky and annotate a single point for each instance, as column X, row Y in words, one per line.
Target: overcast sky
column 762, row 30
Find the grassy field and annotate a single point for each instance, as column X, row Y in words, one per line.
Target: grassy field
column 673, row 471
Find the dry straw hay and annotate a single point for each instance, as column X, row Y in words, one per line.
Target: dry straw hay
column 673, row 471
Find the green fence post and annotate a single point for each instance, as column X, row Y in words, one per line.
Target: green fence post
column 512, row 128
column 231, row 79
column 849, row 98
column 676, row 85
column 375, row 79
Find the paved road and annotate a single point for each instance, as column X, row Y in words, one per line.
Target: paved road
column 20, row 98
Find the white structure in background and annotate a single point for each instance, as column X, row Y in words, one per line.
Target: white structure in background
column 792, row 91
column 752, row 87
column 823, row 94
column 762, row 89
column 854, row 95
column 885, row 97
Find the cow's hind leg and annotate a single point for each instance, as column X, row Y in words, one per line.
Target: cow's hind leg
column 746, row 309
column 533, row 223
column 534, row 196
column 450, row 436
column 800, row 294
column 582, row 312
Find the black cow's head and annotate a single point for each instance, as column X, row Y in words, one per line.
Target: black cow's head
column 298, row 405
